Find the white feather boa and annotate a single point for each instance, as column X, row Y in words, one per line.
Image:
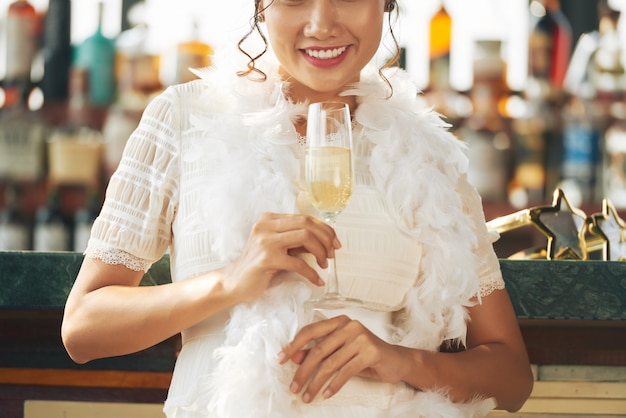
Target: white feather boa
column 252, row 155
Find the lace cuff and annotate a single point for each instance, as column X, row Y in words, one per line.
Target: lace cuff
column 115, row 256
column 494, row 283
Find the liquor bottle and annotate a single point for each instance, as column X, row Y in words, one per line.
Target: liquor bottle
column 50, row 231
column 549, row 49
column 22, row 138
column 57, row 51
column 75, row 148
column 22, row 32
column 97, row 55
column 581, row 148
column 119, row 124
column 439, row 49
column 192, row 53
column 138, row 62
column 527, row 187
column 14, row 230
column 487, row 137
column 550, row 45
column 438, row 93
column 84, row 219
column 606, row 70
column 614, row 164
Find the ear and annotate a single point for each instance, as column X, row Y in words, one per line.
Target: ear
column 259, row 16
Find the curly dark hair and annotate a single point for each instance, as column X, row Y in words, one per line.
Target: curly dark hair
column 258, row 75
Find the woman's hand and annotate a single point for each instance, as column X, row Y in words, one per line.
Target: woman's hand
column 342, row 348
column 273, row 246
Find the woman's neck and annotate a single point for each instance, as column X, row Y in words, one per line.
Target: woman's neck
column 298, row 93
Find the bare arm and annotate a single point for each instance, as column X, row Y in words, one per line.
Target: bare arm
column 108, row 314
column 495, row 363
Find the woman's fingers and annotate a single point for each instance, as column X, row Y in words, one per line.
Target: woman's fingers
column 273, row 245
column 329, row 355
column 310, row 333
column 343, row 348
column 310, row 228
column 297, row 234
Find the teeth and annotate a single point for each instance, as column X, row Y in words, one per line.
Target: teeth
column 325, row 54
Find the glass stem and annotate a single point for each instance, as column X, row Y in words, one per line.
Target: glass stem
column 332, row 283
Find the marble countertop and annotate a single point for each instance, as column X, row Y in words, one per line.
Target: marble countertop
column 589, row 290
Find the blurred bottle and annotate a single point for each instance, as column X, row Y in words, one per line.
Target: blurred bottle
column 489, row 143
column 596, row 80
column 22, row 28
column 14, row 229
column 57, row 51
column 22, row 138
column 192, row 53
column 527, row 185
column 581, row 152
column 606, row 70
column 550, row 44
column 119, row 124
column 78, row 104
column 138, row 62
column 439, row 49
column 97, row 55
column 50, row 231
column 614, row 165
column 549, row 49
column 84, row 219
column 439, row 93
column 75, row 148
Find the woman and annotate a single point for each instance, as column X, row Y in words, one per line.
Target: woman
column 212, row 173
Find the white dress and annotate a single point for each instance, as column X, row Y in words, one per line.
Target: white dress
column 211, row 155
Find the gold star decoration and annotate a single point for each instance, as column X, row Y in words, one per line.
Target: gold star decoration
column 563, row 225
column 608, row 233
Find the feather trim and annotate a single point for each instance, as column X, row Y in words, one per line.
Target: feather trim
column 416, row 165
column 247, row 361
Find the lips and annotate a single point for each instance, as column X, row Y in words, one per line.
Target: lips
column 325, row 54
column 325, row 57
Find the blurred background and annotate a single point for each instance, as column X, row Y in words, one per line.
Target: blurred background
column 534, row 87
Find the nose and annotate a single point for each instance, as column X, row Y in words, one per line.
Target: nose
column 322, row 19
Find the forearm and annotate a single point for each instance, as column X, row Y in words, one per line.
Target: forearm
column 117, row 320
column 489, row 370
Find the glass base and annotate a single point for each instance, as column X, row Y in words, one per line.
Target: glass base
column 331, row 301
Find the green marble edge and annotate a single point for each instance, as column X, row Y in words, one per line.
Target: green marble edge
column 42, row 280
column 539, row 288
column 567, row 289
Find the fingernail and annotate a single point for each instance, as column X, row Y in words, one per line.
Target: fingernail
column 336, row 243
column 294, row 388
column 306, row 398
column 281, row 357
column 327, row 394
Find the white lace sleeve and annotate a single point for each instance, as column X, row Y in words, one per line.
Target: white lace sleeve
column 489, row 274
column 134, row 225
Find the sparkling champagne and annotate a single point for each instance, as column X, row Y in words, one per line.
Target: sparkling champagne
column 329, row 177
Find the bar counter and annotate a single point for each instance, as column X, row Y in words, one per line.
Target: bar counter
column 570, row 312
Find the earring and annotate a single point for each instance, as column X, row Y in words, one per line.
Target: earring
column 391, row 5
column 259, row 18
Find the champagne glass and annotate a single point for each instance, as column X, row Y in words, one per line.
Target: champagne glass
column 328, row 176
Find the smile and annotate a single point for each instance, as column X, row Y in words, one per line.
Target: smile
column 325, row 54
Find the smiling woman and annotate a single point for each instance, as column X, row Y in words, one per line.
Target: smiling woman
column 213, row 175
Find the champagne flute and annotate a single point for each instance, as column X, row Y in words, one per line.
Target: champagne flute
column 328, row 176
